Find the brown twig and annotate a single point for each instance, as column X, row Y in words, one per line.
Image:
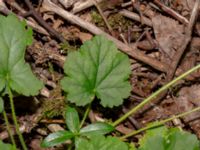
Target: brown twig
column 41, row 21
column 180, row 51
column 36, row 27
column 133, row 121
column 49, row 6
column 103, row 16
column 171, row 12
column 136, row 17
column 82, row 5
column 177, row 57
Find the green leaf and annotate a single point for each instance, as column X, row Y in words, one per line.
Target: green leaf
column 153, row 139
column 4, row 146
column 72, row 119
column 1, row 105
column 14, row 72
column 162, row 138
column 100, row 143
column 180, row 140
column 96, row 129
column 97, row 69
column 57, row 138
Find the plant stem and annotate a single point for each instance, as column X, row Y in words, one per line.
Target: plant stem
column 15, row 119
column 8, row 128
column 85, row 115
column 159, row 123
column 151, row 97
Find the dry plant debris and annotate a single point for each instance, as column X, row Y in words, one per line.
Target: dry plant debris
column 161, row 38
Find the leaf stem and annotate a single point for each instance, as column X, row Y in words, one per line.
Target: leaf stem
column 8, row 128
column 85, row 115
column 151, row 97
column 159, row 123
column 15, row 119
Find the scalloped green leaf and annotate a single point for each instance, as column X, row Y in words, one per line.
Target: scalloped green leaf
column 97, row 69
column 100, row 142
column 181, row 140
column 14, row 72
column 153, row 139
column 162, row 138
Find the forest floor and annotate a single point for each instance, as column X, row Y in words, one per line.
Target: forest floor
column 161, row 39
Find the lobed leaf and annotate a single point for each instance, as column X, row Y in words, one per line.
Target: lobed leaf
column 97, row 69
column 162, row 138
column 180, row 140
column 14, row 72
column 100, row 143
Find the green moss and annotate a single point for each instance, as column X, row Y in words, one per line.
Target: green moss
column 55, row 105
column 117, row 20
column 97, row 19
column 67, row 47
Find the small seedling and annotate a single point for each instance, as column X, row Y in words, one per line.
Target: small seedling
column 74, row 132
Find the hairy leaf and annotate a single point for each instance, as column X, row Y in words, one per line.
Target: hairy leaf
column 14, row 72
column 96, row 129
column 72, row 119
column 100, row 143
column 97, row 69
column 57, row 138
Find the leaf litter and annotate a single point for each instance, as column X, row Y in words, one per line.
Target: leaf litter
column 167, row 32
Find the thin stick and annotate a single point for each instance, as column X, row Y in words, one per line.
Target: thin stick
column 103, row 16
column 36, row 27
column 151, row 97
column 172, row 12
column 136, row 17
column 41, row 21
column 159, row 123
column 49, row 6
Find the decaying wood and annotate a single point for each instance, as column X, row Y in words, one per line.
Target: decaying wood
column 172, row 12
column 136, row 17
column 81, row 5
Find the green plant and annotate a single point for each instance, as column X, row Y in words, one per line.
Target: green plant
column 162, row 138
column 99, row 142
column 15, row 74
column 4, row 146
column 97, row 69
column 91, row 137
column 84, row 71
column 75, row 132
